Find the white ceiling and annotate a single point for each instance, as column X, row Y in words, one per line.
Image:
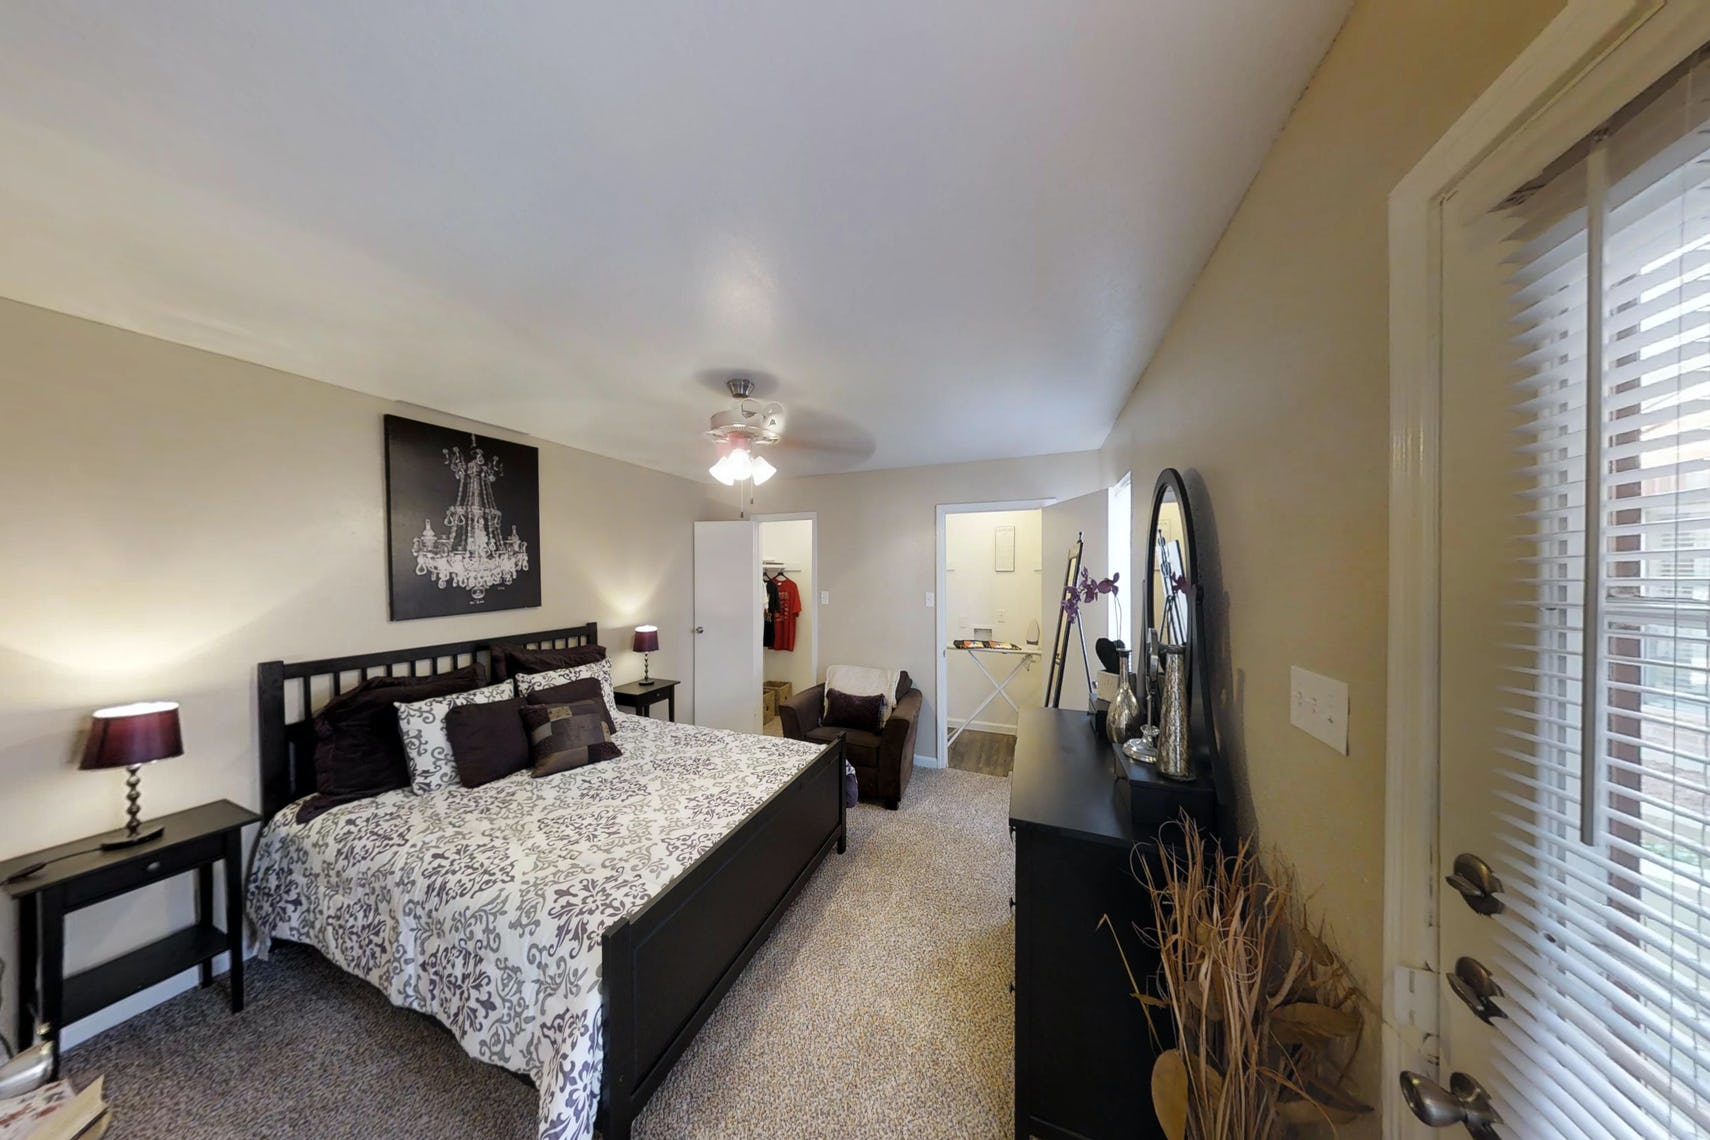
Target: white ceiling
column 944, row 229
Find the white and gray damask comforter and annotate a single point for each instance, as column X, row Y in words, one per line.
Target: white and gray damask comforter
column 484, row 907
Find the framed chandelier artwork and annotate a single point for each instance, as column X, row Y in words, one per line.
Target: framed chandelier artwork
column 462, row 521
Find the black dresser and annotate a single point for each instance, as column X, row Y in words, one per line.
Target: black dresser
column 1083, row 1052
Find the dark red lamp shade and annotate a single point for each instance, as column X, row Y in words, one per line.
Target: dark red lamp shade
column 133, row 734
column 646, row 639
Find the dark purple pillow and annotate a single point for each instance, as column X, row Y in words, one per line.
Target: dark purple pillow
column 564, row 737
column 570, row 692
column 488, row 742
column 865, row 714
column 508, row 661
column 359, row 751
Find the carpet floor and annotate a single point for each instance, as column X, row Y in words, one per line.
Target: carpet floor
column 879, row 1007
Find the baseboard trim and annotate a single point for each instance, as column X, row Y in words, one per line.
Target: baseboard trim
column 994, row 727
column 928, row 761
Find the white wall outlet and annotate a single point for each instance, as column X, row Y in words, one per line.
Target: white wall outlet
column 825, row 597
column 1318, row 706
column 1003, row 615
column 930, row 601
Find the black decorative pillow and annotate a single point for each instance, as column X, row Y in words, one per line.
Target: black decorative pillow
column 508, row 661
column 564, row 737
column 842, row 710
column 359, row 751
column 571, row 692
column 488, row 742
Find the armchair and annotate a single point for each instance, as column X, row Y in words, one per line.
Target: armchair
column 883, row 760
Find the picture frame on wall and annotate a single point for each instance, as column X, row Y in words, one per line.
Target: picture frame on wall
column 462, row 521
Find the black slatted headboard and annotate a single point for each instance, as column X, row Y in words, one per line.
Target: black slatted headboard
column 288, row 695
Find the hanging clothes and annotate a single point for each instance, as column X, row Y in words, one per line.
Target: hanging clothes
column 768, row 632
column 789, row 606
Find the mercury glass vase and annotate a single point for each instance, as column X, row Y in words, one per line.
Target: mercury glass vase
column 1174, row 760
column 1122, row 719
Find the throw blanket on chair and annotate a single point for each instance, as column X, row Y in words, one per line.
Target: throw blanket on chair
column 861, row 681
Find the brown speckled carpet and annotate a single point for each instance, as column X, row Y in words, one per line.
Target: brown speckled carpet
column 879, row 1007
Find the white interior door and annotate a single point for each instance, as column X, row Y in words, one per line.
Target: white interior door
column 1088, row 517
column 728, row 659
column 1572, row 764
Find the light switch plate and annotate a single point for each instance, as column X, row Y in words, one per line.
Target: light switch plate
column 825, row 597
column 929, row 599
column 1318, row 706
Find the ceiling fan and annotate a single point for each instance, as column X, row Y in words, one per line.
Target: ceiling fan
column 740, row 430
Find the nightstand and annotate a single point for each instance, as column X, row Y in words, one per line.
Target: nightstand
column 74, row 878
column 642, row 697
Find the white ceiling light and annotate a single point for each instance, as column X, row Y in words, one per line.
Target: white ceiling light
column 739, row 431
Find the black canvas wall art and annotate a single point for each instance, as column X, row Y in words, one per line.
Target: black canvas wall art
column 462, row 521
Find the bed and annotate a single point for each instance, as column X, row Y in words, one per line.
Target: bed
column 577, row 929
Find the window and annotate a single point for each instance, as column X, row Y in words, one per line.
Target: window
column 1121, row 528
column 1608, row 775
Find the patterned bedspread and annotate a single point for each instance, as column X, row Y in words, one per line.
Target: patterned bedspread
column 485, row 907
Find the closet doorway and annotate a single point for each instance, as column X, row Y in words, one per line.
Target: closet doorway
column 990, row 629
column 789, row 565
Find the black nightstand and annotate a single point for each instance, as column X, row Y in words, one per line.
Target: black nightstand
column 641, row 697
column 194, row 841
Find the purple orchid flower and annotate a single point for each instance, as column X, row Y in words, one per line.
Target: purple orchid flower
column 1086, row 591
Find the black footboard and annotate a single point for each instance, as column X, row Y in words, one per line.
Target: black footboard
column 667, row 966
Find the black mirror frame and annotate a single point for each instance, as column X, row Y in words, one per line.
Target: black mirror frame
column 1202, row 744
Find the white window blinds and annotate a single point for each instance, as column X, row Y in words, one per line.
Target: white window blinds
column 1606, row 795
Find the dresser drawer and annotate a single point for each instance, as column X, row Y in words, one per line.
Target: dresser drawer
column 128, row 876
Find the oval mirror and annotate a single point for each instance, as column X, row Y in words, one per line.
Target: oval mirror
column 1169, row 564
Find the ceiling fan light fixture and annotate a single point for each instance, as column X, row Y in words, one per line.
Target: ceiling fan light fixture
column 761, row 470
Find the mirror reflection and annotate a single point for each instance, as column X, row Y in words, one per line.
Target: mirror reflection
column 1170, row 571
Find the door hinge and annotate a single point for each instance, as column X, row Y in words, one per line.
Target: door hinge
column 1414, row 996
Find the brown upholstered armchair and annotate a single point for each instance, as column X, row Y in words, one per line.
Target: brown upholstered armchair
column 883, row 761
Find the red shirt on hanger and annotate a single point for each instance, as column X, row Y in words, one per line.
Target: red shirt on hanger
column 784, row 617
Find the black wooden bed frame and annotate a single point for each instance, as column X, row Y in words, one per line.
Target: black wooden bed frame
column 667, row 966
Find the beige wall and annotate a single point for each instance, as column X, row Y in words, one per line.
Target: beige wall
column 978, row 595
column 174, row 517
column 1270, row 392
column 878, row 550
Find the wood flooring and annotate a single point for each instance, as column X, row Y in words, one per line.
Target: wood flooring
column 988, row 753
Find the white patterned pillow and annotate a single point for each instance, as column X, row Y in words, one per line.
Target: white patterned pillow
column 426, row 745
column 602, row 670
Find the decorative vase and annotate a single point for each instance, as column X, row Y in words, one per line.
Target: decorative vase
column 1121, row 719
column 1173, row 758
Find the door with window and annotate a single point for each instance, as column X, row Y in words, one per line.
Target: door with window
column 1574, row 674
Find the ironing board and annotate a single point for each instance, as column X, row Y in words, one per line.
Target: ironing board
column 1022, row 657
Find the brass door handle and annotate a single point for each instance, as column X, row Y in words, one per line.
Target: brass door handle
column 1473, row 984
column 1477, row 884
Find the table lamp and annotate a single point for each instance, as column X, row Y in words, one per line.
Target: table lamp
column 129, row 736
column 646, row 642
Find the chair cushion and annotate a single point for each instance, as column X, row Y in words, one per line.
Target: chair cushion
column 845, row 711
column 862, row 748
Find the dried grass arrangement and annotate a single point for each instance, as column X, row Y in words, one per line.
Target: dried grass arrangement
column 1266, row 1014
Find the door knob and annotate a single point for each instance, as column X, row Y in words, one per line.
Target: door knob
column 1463, row 1102
column 1473, row 984
column 700, row 629
column 1477, row 883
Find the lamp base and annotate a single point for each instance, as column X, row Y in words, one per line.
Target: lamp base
column 125, row 841
column 134, row 834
